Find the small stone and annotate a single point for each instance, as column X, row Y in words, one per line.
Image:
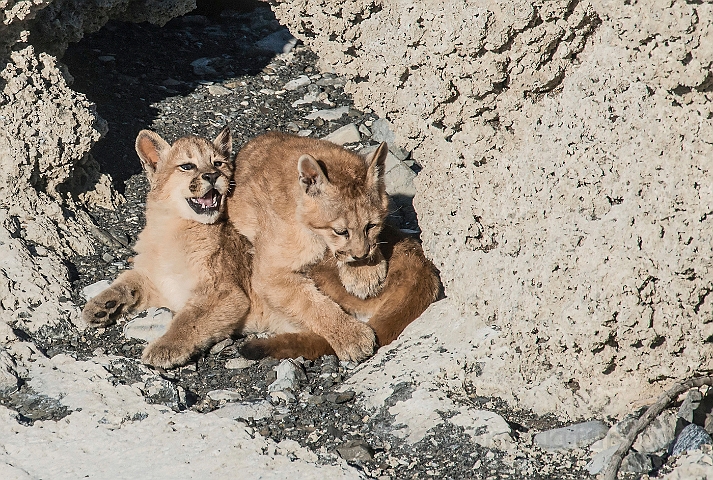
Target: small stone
column 218, row 90
column 329, row 114
column 572, row 436
column 220, row 346
column 91, row 291
column 106, row 58
column 692, row 437
column 150, row 325
column 245, row 410
column 304, row 133
column 280, row 41
column 292, row 127
column 339, row 398
column 108, row 257
column 356, row 450
column 689, row 405
column 171, row 82
column 40, row 251
column 238, row 363
column 331, row 82
column 227, row 395
column 284, row 395
column 288, row 374
column 201, row 67
column 298, row 82
column 346, row 134
column 365, row 130
column 399, row 181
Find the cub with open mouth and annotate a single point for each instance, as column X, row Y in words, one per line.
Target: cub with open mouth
column 189, row 258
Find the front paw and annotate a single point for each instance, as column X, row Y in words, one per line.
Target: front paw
column 355, row 342
column 105, row 308
column 165, row 353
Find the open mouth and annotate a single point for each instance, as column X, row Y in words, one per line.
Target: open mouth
column 208, row 203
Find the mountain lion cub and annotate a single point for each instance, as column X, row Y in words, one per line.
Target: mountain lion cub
column 188, row 258
column 296, row 199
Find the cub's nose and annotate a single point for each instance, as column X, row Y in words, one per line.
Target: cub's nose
column 360, row 258
column 210, row 177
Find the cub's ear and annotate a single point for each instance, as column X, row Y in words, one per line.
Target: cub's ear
column 150, row 147
column 376, row 160
column 224, row 142
column 312, row 177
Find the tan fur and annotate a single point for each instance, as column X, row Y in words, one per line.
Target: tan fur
column 297, row 200
column 190, row 261
column 411, row 285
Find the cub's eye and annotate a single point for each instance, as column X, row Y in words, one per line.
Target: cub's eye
column 370, row 226
column 340, row 232
column 218, row 164
column 186, row 167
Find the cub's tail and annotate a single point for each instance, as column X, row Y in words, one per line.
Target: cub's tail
column 287, row 345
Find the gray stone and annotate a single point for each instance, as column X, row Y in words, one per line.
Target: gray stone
column 226, row 395
column 658, row 435
column 238, row 363
column 256, row 410
column 9, row 382
column 148, row 325
column 296, row 83
column 220, row 346
column 365, row 130
column 634, row 462
column 91, row 291
column 201, row 67
column 572, row 436
column 381, row 131
column 281, row 41
column 106, row 58
column 218, row 90
column 691, row 437
column 399, row 180
column 356, row 450
column 328, row 114
column 346, row 134
column 288, row 375
column 108, row 257
column 304, row 133
column 689, row 405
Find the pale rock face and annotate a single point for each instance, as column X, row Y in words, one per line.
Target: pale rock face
column 566, row 192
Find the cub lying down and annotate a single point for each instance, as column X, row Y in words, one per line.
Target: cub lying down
column 188, row 259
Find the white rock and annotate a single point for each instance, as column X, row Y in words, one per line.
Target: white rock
column 329, row 114
column 296, row 83
column 572, row 436
column 238, row 363
column 399, row 180
column 346, row 134
column 304, row 133
column 488, row 429
column 227, row 395
column 149, row 325
column 8, row 375
column 218, row 90
column 286, row 376
column 281, row 41
column 257, row 410
column 91, row 291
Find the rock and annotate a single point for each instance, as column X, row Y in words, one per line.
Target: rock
column 573, row 436
column 381, row 131
column 108, row 257
column 399, row 181
column 342, row 397
column 356, row 450
column 245, row 410
column 9, row 381
column 106, row 58
column 238, row 363
column 690, row 403
column 486, row 428
column 329, row 114
column 226, row 395
column 658, row 435
column 218, row 90
column 365, row 130
column 148, row 325
column 296, row 83
column 346, row 134
column 220, row 346
column 692, row 437
column 304, row 133
column 634, row 462
column 280, row 41
column 201, row 67
column 91, row 291
column 172, row 82
column 288, row 375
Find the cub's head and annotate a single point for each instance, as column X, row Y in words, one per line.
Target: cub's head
column 344, row 201
column 193, row 176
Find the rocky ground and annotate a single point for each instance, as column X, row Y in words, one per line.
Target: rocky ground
column 193, row 76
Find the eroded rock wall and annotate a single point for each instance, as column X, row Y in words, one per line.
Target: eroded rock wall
column 566, row 186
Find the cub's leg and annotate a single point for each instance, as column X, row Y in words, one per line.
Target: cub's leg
column 296, row 295
column 287, row 345
column 130, row 291
column 197, row 326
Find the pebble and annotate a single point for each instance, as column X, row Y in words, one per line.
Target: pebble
column 91, row 291
column 356, row 450
column 201, row 67
column 692, row 437
column 227, row 395
column 328, row 114
column 298, row 82
column 365, row 130
column 288, row 374
column 245, row 410
column 148, row 325
column 218, row 90
column 381, row 131
column 339, row 398
column 108, row 257
column 572, row 436
column 304, row 133
column 220, row 346
column 346, row 134
column 238, row 363
column 331, row 82
column 281, row 41
column 106, row 58
column 171, row 82
column 689, row 405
